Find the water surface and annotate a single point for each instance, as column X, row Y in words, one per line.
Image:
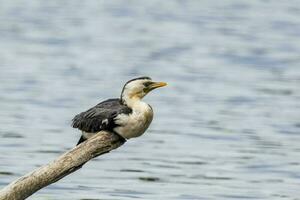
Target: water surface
column 226, row 127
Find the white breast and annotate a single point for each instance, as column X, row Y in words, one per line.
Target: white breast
column 136, row 123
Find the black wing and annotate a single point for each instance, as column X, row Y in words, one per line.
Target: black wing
column 100, row 117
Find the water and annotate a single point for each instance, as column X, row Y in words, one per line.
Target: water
column 226, row 127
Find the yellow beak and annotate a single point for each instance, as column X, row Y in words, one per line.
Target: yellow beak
column 154, row 85
column 157, row 85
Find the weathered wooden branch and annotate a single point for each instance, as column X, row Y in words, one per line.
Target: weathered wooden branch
column 67, row 163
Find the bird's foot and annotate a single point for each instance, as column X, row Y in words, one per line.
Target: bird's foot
column 121, row 137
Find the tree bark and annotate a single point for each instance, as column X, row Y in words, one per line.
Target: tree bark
column 67, row 163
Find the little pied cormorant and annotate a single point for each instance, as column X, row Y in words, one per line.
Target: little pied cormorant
column 128, row 116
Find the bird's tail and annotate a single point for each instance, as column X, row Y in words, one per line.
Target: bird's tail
column 82, row 139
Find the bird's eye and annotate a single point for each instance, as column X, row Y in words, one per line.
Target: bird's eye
column 146, row 84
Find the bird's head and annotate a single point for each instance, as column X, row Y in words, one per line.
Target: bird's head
column 137, row 88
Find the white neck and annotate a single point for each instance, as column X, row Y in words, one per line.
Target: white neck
column 132, row 101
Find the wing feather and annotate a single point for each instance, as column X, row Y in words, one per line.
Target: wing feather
column 100, row 117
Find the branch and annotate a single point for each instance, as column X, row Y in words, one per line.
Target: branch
column 67, row 163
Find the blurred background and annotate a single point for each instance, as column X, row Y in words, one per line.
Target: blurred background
column 226, row 127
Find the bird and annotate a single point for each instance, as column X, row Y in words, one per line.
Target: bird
column 127, row 116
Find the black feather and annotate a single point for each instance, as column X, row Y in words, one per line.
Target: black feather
column 100, row 117
column 81, row 140
column 139, row 78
